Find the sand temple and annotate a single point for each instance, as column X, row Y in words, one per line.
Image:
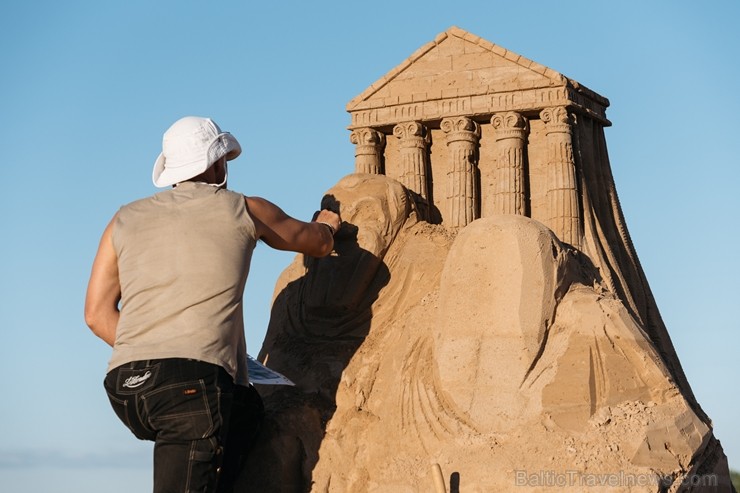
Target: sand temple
column 484, row 324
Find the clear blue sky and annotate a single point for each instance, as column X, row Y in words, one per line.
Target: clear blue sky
column 88, row 87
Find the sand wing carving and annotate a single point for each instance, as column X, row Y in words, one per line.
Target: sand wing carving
column 484, row 310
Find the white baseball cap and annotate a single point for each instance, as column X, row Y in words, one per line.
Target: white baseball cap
column 189, row 147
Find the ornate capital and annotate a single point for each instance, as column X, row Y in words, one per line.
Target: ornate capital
column 459, row 124
column 509, row 125
column 510, row 120
column 368, row 150
column 556, row 116
column 411, row 134
column 460, row 128
column 367, row 137
column 408, row 129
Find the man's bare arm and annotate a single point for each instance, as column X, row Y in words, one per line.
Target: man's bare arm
column 104, row 290
column 282, row 232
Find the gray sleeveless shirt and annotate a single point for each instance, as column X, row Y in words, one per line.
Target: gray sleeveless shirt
column 183, row 260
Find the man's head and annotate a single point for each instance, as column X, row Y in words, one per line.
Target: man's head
column 189, row 148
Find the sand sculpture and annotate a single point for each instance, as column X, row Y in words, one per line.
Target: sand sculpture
column 485, row 314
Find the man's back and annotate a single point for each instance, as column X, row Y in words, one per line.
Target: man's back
column 183, row 259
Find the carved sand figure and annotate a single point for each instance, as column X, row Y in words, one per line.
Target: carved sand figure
column 485, row 309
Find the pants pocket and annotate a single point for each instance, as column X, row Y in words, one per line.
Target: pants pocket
column 120, row 407
column 183, row 411
column 125, row 412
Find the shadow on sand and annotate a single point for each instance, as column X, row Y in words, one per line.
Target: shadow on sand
column 317, row 323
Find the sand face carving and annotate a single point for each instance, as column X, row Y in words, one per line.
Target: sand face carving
column 485, row 309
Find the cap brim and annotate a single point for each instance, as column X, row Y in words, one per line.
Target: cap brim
column 158, row 170
column 224, row 144
column 162, row 176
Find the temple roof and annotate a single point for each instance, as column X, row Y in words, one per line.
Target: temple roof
column 459, row 73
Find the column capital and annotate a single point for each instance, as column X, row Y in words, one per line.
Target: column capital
column 460, row 128
column 368, row 150
column 556, row 119
column 366, row 137
column 408, row 129
column 509, row 125
column 411, row 134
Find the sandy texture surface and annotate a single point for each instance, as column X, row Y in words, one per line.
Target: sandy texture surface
column 495, row 351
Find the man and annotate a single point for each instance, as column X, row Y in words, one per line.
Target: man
column 177, row 262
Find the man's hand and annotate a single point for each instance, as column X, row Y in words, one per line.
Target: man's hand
column 330, row 218
column 282, row 232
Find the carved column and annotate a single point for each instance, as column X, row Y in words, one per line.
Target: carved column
column 562, row 190
column 368, row 150
column 508, row 192
column 462, row 194
column 413, row 150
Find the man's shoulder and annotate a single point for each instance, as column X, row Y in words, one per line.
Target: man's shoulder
column 143, row 201
column 232, row 193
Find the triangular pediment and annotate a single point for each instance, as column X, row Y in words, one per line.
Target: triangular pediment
column 457, row 62
column 461, row 73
